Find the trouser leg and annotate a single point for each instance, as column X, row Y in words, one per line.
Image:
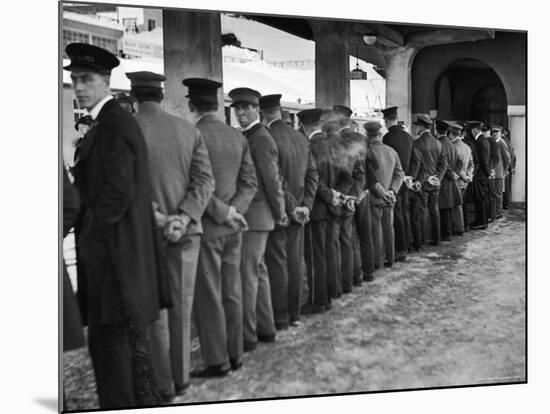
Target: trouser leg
column 316, row 255
column 400, row 231
column 388, row 233
column 252, row 268
column 499, row 188
column 363, row 218
column 357, row 275
column 276, row 260
column 418, row 213
column 445, row 218
column 333, row 257
column 346, row 253
column 377, row 235
column 208, row 308
column 295, row 254
column 458, row 219
column 433, row 211
column 232, row 295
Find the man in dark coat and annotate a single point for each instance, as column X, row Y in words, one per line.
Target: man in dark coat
column 285, row 244
column 500, row 164
column 182, row 184
column 482, row 172
column 316, row 237
column 417, row 199
column 357, row 220
column 402, row 143
column 266, row 210
column 449, row 194
column 435, row 163
column 120, row 270
column 217, row 305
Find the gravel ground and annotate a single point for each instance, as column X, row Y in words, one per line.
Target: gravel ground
column 451, row 315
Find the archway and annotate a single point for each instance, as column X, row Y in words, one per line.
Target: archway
column 470, row 89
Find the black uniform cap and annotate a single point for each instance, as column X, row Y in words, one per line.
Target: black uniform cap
column 270, row 101
column 475, row 124
column 454, row 125
column 244, row 95
column 342, row 109
column 422, row 119
column 372, row 127
column 90, row 57
column 390, row 111
column 145, row 78
column 310, row 116
column 442, row 125
column 202, row 90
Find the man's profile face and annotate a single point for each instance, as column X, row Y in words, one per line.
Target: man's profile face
column 89, row 87
column 246, row 113
column 496, row 133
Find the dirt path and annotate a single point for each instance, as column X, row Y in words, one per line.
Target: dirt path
column 450, row 315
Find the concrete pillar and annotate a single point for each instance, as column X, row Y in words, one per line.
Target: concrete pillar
column 192, row 48
column 331, row 63
column 516, row 121
column 398, row 80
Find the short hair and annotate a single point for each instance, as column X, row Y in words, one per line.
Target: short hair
column 201, row 106
column 441, row 129
column 272, row 111
column 390, row 117
column 147, row 94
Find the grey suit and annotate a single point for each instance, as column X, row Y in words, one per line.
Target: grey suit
column 267, row 207
column 182, row 182
column 218, row 292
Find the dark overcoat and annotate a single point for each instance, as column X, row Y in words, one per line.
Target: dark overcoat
column 298, row 169
column 449, row 193
column 482, row 168
column 322, row 204
column 73, row 336
column 401, row 141
column 121, row 272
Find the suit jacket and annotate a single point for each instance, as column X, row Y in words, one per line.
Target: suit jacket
column 73, row 336
column 433, row 155
column 320, row 148
column 234, row 173
column 298, row 169
column 268, row 205
column 449, row 194
column 389, row 173
column 121, row 270
column 501, row 168
column 482, row 153
column 402, row 143
column 181, row 175
column 465, row 169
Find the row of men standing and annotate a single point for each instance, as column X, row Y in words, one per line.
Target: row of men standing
column 209, row 220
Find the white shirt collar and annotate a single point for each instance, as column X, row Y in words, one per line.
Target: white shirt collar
column 249, row 126
column 478, row 135
column 94, row 112
column 317, row 131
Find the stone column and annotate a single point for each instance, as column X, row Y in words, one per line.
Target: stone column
column 331, row 63
column 398, row 80
column 192, row 48
column 516, row 121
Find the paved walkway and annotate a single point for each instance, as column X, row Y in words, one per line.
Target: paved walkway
column 450, row 315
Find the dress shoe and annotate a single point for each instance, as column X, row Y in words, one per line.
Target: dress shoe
column 401, row 258
column 388, row 264
column 166, row 397
column 357, row 283
column 376, row 267
column 458, row 233
column 249, row 346
column 499, row 217
column 295, row 323
column 235, row 365
column 180, row 389
column 310, row 309
column 281, row 326
column 368, row 277
column 481, row 227
column 434, row 243
column 328, row 306
column 346, row 291
column 446, row 239
column 266, row 338
column 210, row 371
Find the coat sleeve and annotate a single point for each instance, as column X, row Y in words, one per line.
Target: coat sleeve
column 247, row 183
column 311, row 181
column 398, row 175
column 414, row 166
column 485, row 156
column 266, row 159
column 201, row 182
column 324, row 193
column 505, row 154
column 117, row 151
column 358, row 176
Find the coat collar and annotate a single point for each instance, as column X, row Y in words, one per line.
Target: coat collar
column 94, row 112
column 253, row 129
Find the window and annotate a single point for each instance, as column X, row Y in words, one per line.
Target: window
column 105, row 43
column 151, row 25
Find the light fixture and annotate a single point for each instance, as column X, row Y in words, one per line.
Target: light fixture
column 358, row 73
column 369, row 39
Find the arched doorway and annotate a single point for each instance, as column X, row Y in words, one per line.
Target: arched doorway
column 470, row 89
